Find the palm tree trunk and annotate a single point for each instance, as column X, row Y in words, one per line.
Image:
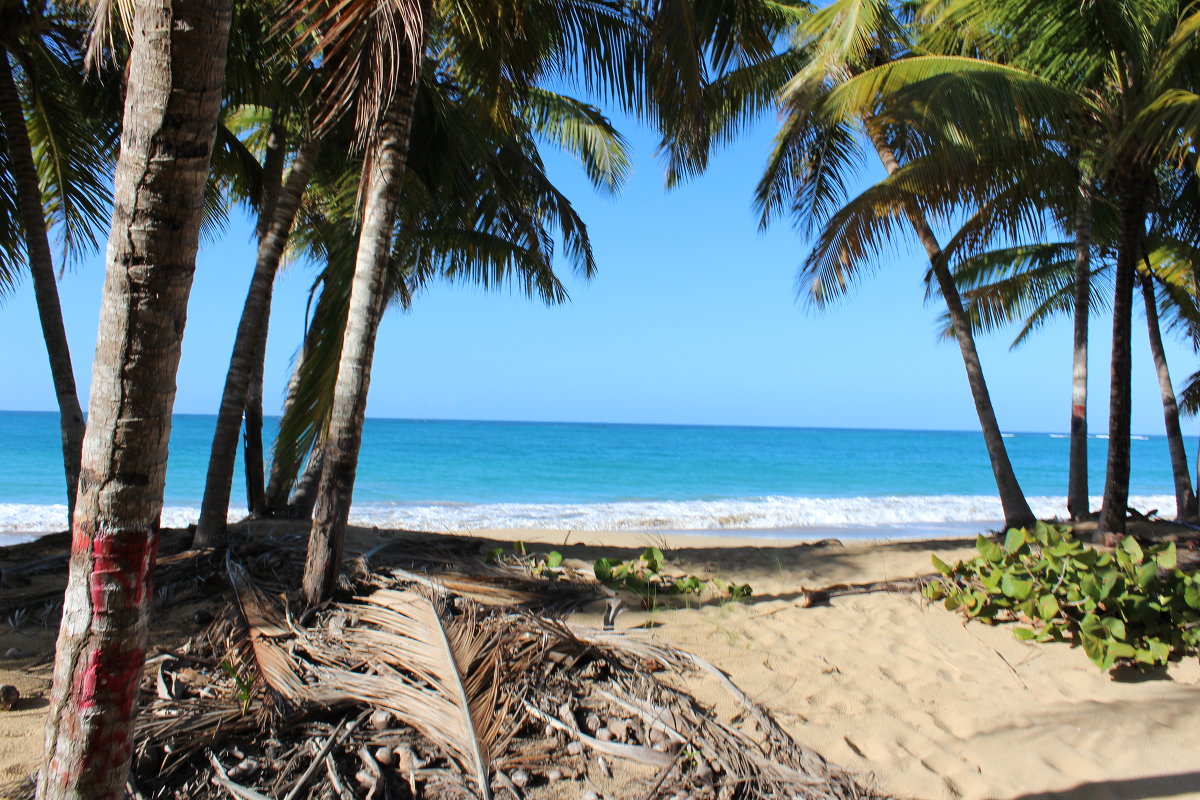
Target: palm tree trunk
column 1017, row 513
column 252, row 446
column 382, row 177
column 252, row 327
column 1131, row 220
column 304, row 498
column 1077, row 479
column 285, row 466
column 173, row 92
column 41, row 268
column 1185, row 498
column 282, row 477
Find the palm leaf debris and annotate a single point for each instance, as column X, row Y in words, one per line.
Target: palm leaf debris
column 408, row 689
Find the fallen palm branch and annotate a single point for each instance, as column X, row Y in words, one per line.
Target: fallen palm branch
column 411, row 689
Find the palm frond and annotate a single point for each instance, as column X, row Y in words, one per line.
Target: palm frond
column 585, row 133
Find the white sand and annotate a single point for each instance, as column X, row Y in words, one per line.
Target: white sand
column 883, row 684
column 890, row 686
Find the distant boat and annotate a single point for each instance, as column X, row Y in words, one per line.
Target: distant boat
column 1008, row 435
column 1141, row 438
column 1060, row 436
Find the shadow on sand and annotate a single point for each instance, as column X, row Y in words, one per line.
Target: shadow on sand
column 1163, row 786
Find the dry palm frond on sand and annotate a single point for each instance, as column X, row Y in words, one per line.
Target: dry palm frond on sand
column 410, row 689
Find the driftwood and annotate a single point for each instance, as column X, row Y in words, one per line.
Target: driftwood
column 811, row 597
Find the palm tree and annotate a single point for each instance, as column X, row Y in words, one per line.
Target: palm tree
column 1110, row 81
column 477, row 207
column 249, row 347
column 382, row 176
column 813, row 155
column 1185, row 498
column 500, row 51
column 1127, row 64
column 266, row 106
column 166, row 143
column 1032, row 283
column 58, row 152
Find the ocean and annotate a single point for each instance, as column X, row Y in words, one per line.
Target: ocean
column 785, row 482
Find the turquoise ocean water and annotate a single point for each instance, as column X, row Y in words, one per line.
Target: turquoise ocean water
column 793, row 482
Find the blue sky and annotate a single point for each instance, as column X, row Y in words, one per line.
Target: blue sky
column 691, row 319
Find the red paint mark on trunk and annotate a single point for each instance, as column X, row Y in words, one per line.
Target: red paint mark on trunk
column 120, row 572
column 121, row 575
column 1079, row 411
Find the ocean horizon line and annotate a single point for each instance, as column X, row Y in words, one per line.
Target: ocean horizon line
column 702, row 425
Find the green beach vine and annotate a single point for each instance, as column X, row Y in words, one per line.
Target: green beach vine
column 1132, row 606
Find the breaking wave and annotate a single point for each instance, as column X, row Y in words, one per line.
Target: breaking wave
column 756, row 513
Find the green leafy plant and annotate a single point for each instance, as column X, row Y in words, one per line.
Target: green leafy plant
column 644, row 577
column 540, row 565
column 1131, row 606
column 245, row 686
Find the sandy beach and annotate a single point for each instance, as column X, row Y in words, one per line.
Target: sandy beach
column 885, row 684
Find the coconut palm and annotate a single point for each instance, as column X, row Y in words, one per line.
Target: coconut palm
column 267, row 108
column 647, row 54
column 477, row 207
column 1109, row 82
column 166, row 143
column 813, row 159
column 1032, row 283
column 58, row 148
column 1137, row 63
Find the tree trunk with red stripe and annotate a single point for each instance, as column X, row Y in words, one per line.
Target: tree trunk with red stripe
column 173, row 94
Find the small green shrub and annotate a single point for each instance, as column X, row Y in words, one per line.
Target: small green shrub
column 540, row 565
column 643, row 576
column 1128, row 607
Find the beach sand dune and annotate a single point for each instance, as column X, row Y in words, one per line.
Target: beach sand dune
column 894, row 688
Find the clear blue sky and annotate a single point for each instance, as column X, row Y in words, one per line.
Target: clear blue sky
column 691, row 319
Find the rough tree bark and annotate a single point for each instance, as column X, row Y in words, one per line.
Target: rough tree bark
column 1077, row 477
column 248, row 348
column 382, row 177
column 252, row 444
column 1017, row 513
column 41, row 269
column 1131, row 221
column 304, row 497
column 283, row 476
column 1185, row 498
column 175, row 72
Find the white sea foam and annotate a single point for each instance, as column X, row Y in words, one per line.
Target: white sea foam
column 784, row 514
column 28, row 518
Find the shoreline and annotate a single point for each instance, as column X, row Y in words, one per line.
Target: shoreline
column 689, row 538
column 775, row 516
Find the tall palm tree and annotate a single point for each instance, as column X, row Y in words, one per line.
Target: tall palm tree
column 249, row 346
column 806, row 173
column 1111, row 80
column 499, row 51
column 173, row 91
column 382, row 179
column 1127, row 64
column 1029, row 284
column 58, row 150
column 477, row 207
column 268, row 74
